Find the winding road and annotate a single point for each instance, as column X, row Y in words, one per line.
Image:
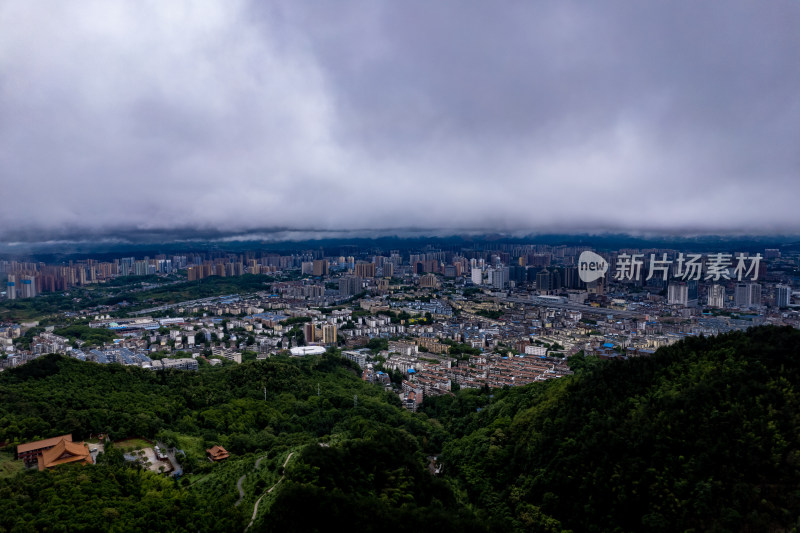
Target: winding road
column 258, row 461
column 255, row 509
column 241, row 490
column 241, row 480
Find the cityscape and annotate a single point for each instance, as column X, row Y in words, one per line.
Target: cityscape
column 386, row 266
column 490, row 315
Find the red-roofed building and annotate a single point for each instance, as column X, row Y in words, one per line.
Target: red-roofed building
column 65, row 452
column 30, row 451
column 217, row 453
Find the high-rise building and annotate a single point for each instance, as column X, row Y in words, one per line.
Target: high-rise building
column 755, row 294
column 716, row 296
column 571, row 278
column 11, row 287
column 740, row 295
column 29, row 289
column 499, row 277
column 140, row 268
column 517, row 274
column 350, row 285
column 365, row 270
column 320, row 267
column 678, row 294
column 783, row 295
column 543, row 281
column 747, row 295
column 126, row 266
column 555, row 280
column 329, row 334
column 693, row 287
column 195, row 273
column 309, row 332
column 20, row 286
column 477, row 276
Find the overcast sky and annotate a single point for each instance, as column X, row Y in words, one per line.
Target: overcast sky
column 522, row 116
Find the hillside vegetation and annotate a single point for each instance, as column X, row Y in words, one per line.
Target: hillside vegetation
column 703, row 436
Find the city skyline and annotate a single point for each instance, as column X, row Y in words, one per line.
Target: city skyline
column 368, row 119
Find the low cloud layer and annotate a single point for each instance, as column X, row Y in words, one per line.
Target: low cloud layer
column 232, row 117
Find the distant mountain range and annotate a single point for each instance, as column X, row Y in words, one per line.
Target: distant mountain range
column 149, row 243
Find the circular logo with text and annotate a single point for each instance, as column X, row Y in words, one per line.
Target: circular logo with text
column 591, row 266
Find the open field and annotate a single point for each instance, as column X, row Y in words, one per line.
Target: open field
column 9, row 466
column 191, row 445
column 129, row 445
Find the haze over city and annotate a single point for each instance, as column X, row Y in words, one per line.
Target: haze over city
column 223, row 118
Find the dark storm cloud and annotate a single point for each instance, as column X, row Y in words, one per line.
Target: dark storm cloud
column 222, row 118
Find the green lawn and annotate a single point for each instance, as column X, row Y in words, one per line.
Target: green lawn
column 129, row 445
column 191, row 445
column 9, row 466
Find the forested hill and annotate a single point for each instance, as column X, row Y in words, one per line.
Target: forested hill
column 703, row 436
column 352, row 447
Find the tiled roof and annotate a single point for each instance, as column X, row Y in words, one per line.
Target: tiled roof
column 46, row 443
column 217, row 453
column 64, row 452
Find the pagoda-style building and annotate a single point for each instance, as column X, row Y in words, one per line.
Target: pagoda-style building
column 217, row 453
column 64, row 452
column 31, row 451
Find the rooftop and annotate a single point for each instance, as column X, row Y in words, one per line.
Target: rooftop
column 46, row 443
